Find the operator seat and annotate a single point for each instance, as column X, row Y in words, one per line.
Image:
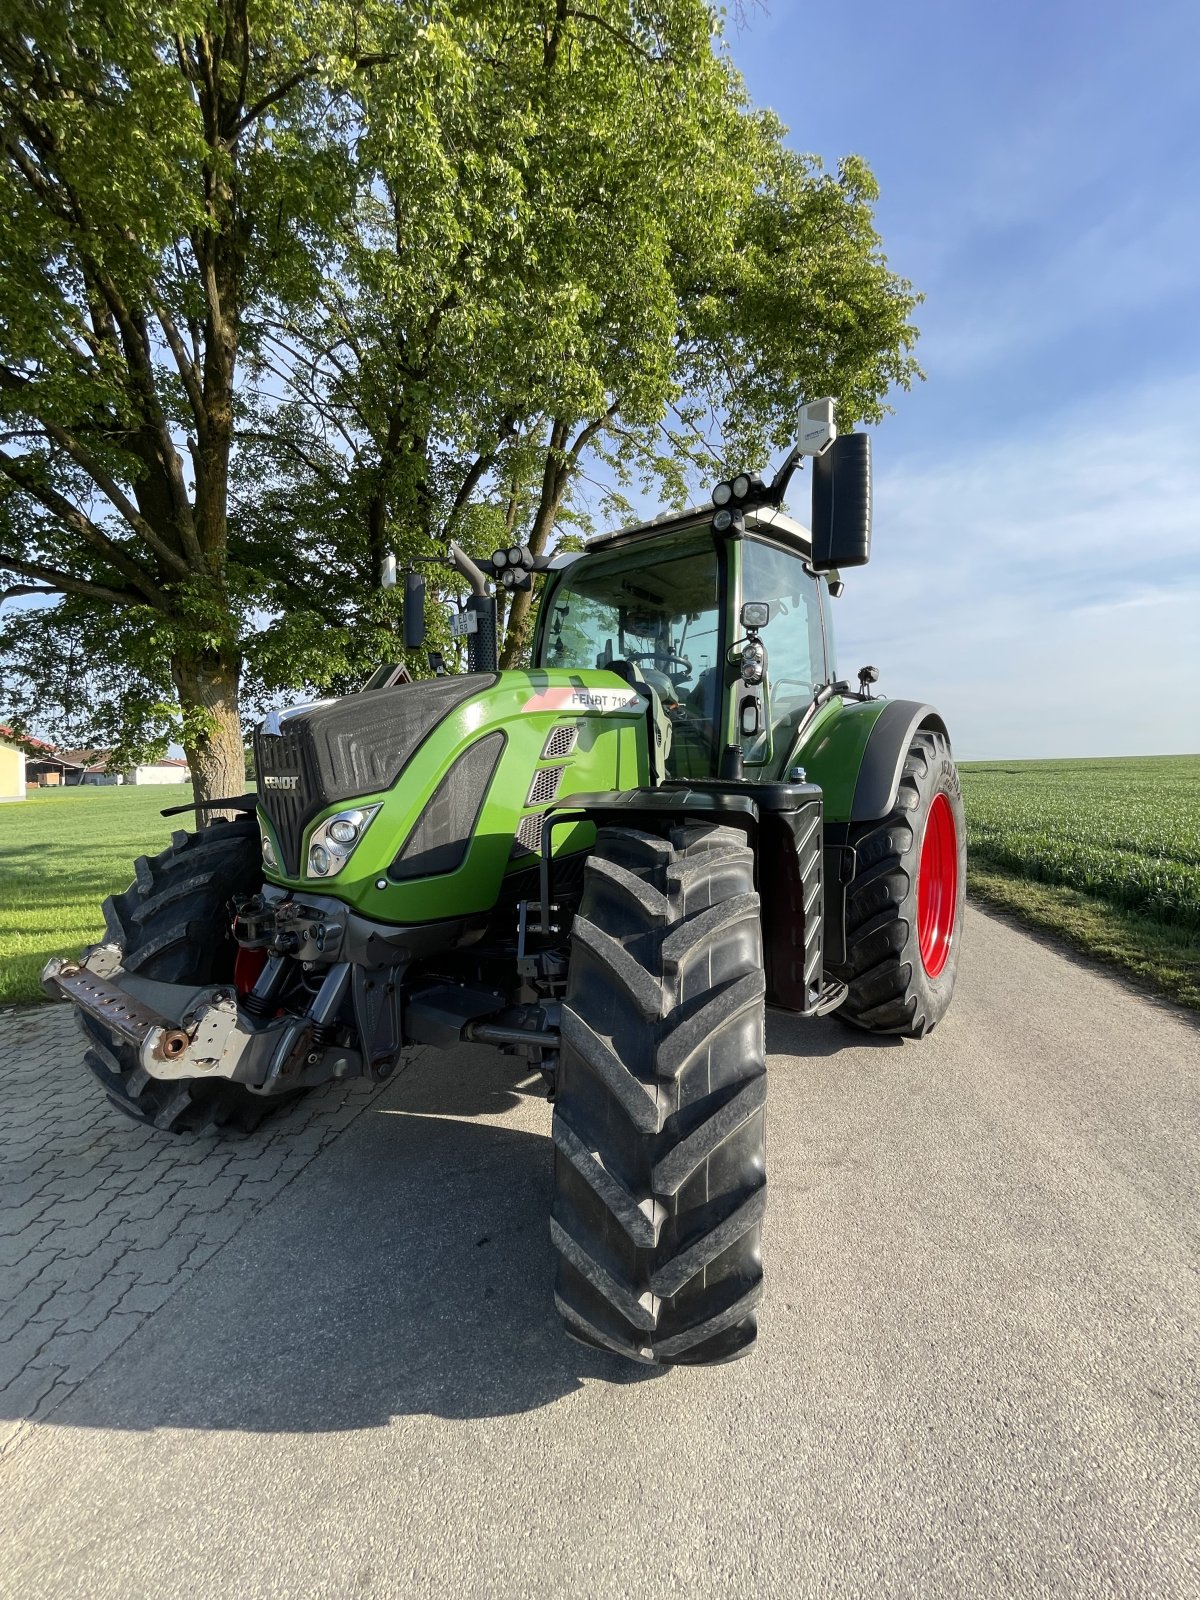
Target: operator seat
column 658, row 723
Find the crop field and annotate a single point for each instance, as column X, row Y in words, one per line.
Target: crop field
column 1106, row 852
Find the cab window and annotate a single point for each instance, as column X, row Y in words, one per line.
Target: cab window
column 656, row 606
column 795, row 644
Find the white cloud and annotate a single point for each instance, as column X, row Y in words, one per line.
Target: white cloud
column 1044, row 591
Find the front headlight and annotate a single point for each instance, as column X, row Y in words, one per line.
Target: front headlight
column 270, row 859
column 335, row 840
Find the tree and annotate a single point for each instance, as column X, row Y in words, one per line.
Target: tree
column 167, row 174
column 380, row 277
column 612, row 255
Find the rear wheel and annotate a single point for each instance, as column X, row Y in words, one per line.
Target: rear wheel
column 904, row 905
column 173, row 924
column 659, row 1173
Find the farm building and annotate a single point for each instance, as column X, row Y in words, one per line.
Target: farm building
column 95, row 767
column 51, row 768
column 12, row 767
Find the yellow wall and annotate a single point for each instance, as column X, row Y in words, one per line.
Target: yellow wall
column 12, row 772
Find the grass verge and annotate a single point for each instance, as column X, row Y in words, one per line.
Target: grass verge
column 62, row 851
column 1165, row 959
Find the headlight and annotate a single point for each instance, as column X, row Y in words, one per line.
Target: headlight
column 270, row 859
column 335, row 840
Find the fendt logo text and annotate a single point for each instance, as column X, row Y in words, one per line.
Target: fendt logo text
column 270, row 781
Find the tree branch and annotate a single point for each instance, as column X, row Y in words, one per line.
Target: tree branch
column 103, row 480
column 65, row 583
column 74, row 519
column 621, row 38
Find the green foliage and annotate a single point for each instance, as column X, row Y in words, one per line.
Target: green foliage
column 289, row 287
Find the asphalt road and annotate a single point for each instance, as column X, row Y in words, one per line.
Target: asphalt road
column 976, row 1374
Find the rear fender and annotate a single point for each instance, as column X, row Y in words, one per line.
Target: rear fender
column 857, row 755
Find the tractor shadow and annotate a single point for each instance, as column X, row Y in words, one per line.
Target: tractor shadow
column 820, row 1037
column 407, row 1270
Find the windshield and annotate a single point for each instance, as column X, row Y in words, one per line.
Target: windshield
column 656, row 607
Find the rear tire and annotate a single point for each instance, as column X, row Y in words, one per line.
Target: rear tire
column 173, row 924
column 659, row 1170
column 904, row 905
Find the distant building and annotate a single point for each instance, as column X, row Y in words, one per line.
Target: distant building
column 12, row 767
column 169, row 770
column 50, row 768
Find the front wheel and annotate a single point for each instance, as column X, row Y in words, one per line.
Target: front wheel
column 659, row 1175
column 904, row 904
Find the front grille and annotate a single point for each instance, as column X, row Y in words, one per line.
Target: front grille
column 560, row 742
column 544, row 786
column 286, row 804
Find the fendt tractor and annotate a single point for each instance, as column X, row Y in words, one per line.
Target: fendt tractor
column 611, row 864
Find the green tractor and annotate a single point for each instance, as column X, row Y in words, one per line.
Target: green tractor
column 611, row 864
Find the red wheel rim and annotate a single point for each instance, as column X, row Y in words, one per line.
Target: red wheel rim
column 937, row 886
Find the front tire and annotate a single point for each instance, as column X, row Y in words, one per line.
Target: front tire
column 173, row 924
column 659, row 1171
column 904, row 905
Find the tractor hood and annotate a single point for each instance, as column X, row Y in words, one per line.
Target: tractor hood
column 450, row 764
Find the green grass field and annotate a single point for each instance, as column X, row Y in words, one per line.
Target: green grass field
column 61, row 852
column 1105, row 853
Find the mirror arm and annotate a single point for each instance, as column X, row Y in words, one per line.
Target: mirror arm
column 777, row 487
column 463, row 564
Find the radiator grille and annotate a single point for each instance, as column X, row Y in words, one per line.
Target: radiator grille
column 544, row 786
column 529, row 834
column 560, row 743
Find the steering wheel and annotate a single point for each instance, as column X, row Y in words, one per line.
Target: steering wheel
column 665, row 660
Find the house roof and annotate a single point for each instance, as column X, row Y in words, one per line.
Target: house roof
column 90, row 760
column 93, row 760
column 26, row 741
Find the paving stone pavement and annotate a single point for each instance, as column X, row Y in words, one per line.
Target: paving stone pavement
column 103, row 1220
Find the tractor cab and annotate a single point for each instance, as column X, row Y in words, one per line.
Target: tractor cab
column 663, row 605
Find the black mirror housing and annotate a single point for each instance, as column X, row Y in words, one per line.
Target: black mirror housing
column 414, row 610
column 841, row 504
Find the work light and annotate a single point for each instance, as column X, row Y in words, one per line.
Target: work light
column 722, row 494
column 729, row 520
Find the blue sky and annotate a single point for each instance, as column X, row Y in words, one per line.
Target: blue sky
column 1036, row 567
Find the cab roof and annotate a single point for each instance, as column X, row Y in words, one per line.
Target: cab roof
column 764, row 520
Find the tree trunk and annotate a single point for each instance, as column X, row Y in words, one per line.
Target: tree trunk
column 555, row 477
column 208, row 693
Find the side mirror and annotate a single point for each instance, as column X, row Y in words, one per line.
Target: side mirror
column 414, row 610
column 841, row 504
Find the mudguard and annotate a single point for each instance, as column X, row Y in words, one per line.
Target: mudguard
column 883, row 759
column 855, row 750
column 856, row 753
